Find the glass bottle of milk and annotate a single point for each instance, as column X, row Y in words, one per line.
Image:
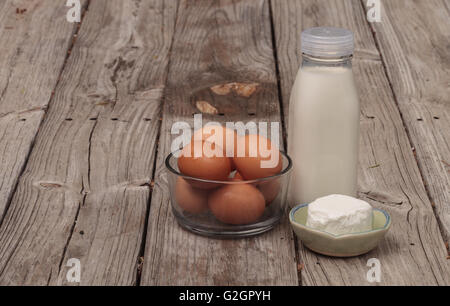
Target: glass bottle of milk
column 323, row 136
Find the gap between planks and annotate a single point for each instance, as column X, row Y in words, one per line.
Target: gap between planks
column 283, row 124
column 69, row 52
column 158, row 143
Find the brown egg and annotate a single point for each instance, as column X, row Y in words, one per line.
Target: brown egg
column 225, row 139
column 254, row 163
column 192, row 200
column 270, row 190
column 203, row 167
column 238, row 204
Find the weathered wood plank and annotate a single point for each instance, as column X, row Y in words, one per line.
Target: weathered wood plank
column 217, row 42
column 33, row 47
column 414, row 41
column 413, row 252
column 85, row 191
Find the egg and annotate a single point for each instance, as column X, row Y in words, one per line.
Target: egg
column 252, row 162
column 203, row 167
column 222, row 137
column 192, row 200
column 270, row 190
column 237, row 204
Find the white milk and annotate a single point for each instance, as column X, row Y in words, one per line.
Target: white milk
column 324, row 131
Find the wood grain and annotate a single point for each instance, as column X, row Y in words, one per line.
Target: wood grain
column 414, row 41
column 33, row 48
column 82, row 187
column 216, row 43
column 85, row 191
column 413, row 252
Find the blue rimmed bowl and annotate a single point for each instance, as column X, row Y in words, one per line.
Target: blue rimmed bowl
column 346, row 245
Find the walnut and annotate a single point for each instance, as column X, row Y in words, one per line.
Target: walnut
column 206, row 108
column 222, row 90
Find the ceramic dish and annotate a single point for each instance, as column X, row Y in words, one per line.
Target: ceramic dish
column 346, row 245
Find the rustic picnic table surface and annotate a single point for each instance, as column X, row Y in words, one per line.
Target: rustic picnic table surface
column 86, row 111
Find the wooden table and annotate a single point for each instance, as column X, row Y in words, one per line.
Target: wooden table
column 85, row 117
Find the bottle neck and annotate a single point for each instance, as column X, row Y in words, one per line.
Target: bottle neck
column 310, row 61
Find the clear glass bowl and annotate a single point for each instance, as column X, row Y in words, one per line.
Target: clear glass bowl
column 191, row 202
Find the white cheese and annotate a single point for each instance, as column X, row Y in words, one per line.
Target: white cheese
column 340, row 214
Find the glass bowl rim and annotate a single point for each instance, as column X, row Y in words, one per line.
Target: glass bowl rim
column 284, row 172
